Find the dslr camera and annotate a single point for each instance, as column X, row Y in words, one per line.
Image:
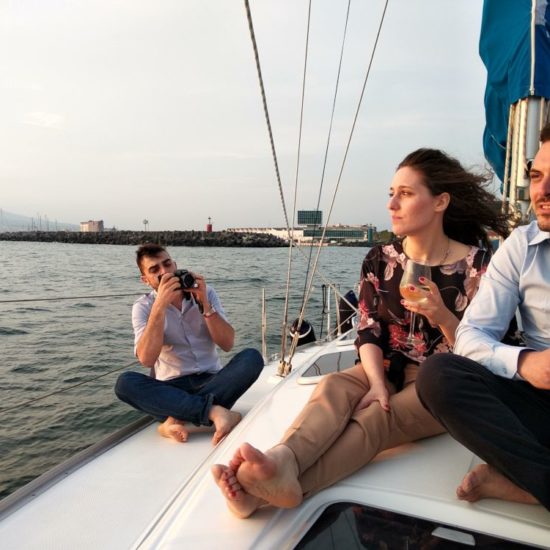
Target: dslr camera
column 187, row 281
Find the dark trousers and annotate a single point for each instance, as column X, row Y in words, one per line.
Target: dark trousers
column 505, row 422
column 190, row 398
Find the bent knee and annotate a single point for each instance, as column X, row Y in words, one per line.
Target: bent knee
column 125, row 382
column 254, row 357
column 436, row 383
column 253, row 360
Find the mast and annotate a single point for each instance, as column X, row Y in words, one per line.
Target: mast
column 527, row 117
column 515, row 48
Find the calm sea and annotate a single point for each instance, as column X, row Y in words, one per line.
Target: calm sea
column 53, row 345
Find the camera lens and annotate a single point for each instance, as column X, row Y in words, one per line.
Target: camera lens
column 187, row 280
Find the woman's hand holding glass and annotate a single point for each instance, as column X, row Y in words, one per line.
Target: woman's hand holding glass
column 431, row 306
column 414, row 291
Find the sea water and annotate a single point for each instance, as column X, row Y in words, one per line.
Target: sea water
column 78, row 346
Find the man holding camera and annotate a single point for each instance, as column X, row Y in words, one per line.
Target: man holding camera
column 176, row 330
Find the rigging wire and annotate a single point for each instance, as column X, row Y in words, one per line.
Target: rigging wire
column 310, row 284
column 268, row 121
column 291, row 236
column 63, row 390
column 290, row 231
column 327, row 147
column 266, row 111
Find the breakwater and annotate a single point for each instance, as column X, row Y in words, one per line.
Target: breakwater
column 167, row 238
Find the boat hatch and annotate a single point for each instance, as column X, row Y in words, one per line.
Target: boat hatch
column 329, row 362
column 348, row 525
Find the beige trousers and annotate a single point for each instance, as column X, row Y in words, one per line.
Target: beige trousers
column 331, row 442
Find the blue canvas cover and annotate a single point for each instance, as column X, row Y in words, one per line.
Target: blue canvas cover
column 505, row 48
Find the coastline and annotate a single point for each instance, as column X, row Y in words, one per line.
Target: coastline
column 167, row 238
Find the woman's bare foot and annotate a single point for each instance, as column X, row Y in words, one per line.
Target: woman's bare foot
column 272, row 476
column 238, row 500
column 224, row 421
column 174, row 428
column 484, row 481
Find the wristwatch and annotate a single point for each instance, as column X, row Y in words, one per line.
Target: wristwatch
column 210, row 312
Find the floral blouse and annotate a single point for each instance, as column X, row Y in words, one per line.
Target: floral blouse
column 385, row 322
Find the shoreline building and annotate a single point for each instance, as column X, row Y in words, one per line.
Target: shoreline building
column 310, row 229
column 92, row 226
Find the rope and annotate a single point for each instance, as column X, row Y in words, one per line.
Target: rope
column 63, row 390
column 266, row 111
column 68, row 298
column 310, row 285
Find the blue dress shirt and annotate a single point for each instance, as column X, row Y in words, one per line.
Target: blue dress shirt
column 188, row 347
column 518, row 278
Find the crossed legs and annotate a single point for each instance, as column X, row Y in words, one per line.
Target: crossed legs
column 502, row 421
column 327, row 442
column 203, row 399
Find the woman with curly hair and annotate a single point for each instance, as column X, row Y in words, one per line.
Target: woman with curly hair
column 441, row 213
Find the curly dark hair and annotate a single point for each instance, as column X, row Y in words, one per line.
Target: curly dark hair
column 472, row 208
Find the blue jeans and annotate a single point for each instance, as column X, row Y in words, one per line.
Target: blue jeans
column 190, row 398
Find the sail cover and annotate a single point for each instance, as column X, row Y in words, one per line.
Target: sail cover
column 515, row 48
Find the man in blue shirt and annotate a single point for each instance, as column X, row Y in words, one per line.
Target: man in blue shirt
column 496, row 398
column 175, row 336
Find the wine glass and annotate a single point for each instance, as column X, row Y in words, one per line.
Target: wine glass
column 411, row 275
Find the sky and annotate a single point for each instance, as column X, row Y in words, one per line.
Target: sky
column 126, row 111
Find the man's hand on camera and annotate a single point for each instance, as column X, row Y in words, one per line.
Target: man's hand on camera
column 199, row 292
column 168, row 289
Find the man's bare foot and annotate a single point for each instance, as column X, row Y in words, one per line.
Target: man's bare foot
column 224, row 421
column 174, row 428
column 271, row 476
column 484, row 481
column 238, row 500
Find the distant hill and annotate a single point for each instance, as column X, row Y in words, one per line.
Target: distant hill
column 16, row 222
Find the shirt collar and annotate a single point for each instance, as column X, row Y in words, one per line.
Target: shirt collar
column 536, row 235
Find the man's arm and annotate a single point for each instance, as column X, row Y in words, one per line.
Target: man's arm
column 486, row 319
column 150, row 343
column 221, row 332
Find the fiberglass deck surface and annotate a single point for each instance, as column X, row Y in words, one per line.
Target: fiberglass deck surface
column 141, row 493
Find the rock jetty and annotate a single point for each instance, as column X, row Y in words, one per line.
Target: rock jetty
column 167, row 238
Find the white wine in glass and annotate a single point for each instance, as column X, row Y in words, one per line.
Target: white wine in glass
column 413, row 291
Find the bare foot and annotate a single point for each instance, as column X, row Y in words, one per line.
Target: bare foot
column 484, row 481
column 272, row 476
column 238, row 500
column 174, row 428
column 224, row 421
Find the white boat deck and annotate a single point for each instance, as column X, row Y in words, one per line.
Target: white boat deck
column 142, row 492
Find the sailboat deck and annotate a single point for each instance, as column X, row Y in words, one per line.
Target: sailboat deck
column 149, row 492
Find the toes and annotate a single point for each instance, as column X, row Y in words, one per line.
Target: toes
column 218, row 471
column 235, row 462
column 251, row 454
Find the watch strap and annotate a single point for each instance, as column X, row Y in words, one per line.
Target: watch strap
column 210, row 312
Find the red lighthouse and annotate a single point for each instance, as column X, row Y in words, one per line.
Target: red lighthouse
column 209, row 225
